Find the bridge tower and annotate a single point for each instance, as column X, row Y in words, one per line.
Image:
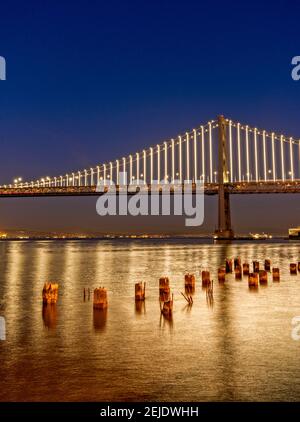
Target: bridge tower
column 224, row 230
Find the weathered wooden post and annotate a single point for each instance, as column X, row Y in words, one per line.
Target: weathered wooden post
column 263, row 277
column 228, row 265
column 205, row 278
column 50, row 292
column 267, row 264
column 246, row 268
column 164, row 289
column 238, row 272
column 253, row 280
column 140, row 291
column 237, row 262
column 189, row 283
column 276, row 274
column 100, row 298
column 293, row 269
column 255, row 266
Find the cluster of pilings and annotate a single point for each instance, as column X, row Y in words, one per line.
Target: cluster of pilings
column 165, row 297
column 257, row 273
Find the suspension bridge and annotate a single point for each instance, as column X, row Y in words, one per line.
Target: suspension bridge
column 228, row 157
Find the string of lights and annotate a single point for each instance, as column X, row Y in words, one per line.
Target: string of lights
column 193, row 155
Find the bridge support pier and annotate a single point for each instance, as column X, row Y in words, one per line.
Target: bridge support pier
column 224, row 230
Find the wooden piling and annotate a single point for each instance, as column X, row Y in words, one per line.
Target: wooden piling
column 263, row 277
column 100, row 298
column 237, row 262
column 140, row 291
column 205, row 278
column 267, row 265
column 293, row 269
column 255, row 266
column 276, row 274
column 238, row 272
column 189, row 283
column 50, row 292
column 253, row 280
column 228, row 266
column 164, row 289
column 246, row 268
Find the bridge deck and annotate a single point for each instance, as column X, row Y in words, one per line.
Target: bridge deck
column 209, row 189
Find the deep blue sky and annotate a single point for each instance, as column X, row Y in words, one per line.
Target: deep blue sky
column 91, row 81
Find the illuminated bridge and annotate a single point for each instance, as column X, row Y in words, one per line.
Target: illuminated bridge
column 226, row 156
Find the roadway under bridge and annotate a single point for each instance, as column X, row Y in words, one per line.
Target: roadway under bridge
column 262, row 187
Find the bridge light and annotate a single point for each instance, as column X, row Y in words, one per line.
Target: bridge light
column 16, row 181
column 20, row 179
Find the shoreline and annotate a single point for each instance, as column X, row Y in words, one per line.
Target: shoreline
column 121, row 238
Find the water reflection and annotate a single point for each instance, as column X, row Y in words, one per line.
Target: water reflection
column 230, row 344
column 49, row 314
column 99, row 319
column 166, row 321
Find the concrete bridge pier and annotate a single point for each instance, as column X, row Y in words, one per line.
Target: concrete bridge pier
column 224, row 230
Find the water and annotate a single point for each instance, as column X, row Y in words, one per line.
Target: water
column 238, row 349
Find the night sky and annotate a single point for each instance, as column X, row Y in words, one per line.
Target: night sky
column 91, row 81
